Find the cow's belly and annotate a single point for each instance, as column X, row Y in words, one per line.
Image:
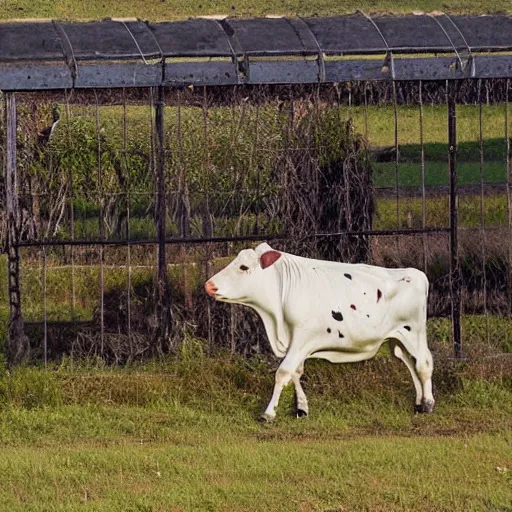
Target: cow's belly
column 348, row 331
column 322, row 333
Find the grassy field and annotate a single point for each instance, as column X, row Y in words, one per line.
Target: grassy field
column 182, row 435
column 179, row 9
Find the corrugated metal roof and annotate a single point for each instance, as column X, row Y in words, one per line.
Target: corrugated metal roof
column 243, row 51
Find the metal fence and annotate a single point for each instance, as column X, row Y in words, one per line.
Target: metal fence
column 147, row 154
column 120, row 203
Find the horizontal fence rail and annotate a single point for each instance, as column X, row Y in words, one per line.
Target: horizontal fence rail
column 219, row 239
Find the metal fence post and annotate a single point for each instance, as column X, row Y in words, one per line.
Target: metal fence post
column 17, row 345
column 455, row 275
column 163, row 291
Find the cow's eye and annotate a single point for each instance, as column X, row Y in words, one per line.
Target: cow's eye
column 244, row 268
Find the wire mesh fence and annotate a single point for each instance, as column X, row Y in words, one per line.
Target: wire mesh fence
column 119, row 190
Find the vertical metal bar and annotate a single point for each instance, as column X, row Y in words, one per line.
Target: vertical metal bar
column 128, row 233
column 455, row 278
column 395, row 119
column 183, row 202
column 483, row 243
column 508, row 156
column 152, row 163
column 163, row 290
column 258, row 165
column 367, row 239
column 101, row 227
column 71, row 199
column 17, row 345
column 205, row 211
column 207, row 221
column 423, row 188
column 366, row 112
column 182, row 189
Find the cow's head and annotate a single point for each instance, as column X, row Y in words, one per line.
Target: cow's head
column 247, row 278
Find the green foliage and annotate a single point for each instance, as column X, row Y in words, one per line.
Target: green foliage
column 29, row 388
column 480, row 394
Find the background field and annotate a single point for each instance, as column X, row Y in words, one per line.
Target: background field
column 179, row 9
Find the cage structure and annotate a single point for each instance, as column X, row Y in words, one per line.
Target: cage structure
column 184, row 79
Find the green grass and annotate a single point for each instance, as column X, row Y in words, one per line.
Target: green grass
column 178, row 9
column 435, row 125
column 437, row 173
column 410, row 212
column 182, row 435
column 435, row 134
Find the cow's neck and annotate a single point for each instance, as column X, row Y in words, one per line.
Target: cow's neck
column 269, row 306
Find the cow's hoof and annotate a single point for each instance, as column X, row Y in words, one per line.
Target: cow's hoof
column 301, row 413
column 267, row 418
column 426, row 407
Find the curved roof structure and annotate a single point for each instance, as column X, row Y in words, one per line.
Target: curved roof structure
column 121, row 53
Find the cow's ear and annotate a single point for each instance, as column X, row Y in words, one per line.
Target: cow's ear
column 269, row 258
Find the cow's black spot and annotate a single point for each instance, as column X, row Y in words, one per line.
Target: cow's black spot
column 368, row 316
column 407, row 327
column 353, row 307
column 348, row 276
column 340, row 335
column 379, row 295
column 329, row 330
column 337, row 315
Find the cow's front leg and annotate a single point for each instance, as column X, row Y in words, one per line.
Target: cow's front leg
column 285, row 373
column 302, row 401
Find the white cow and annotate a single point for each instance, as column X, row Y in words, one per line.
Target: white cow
column 335, row 311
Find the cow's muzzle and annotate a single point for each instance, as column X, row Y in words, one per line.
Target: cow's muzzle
column 210, row 288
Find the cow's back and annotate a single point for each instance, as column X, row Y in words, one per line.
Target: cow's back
column 360, row 302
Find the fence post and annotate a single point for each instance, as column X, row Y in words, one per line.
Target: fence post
column 17, row 345
column 455, row 276
column 163, row 290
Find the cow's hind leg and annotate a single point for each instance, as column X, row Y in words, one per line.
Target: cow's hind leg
column 302, row 401
column 415, row 353
column 408, row 361
column 425, row 367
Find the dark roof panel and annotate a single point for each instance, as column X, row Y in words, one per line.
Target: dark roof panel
column 267, row 36
column 486, row 32
column 346, row 34
column 29, row 41
column 416, row 33
column 192, row 38
column 109, row 40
